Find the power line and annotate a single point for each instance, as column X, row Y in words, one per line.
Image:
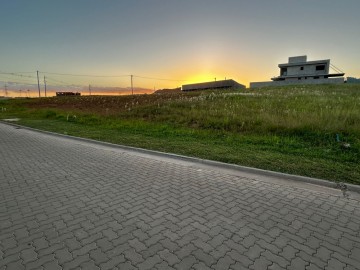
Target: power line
column 16, row 74
column 62, row 83
column 21, row 83
column 11, row 80
column 86, row 75
column 159, row 79
column 56, row 81
column 91, row 75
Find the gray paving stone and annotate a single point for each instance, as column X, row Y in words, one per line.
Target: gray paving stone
column 137, row 245
column 69, row 204
column 163, row 266
column 76, row 262
column 224, row 263
column 15, row 266
column 28, row 255
column 112, row 263
column 98, row 256
column 238, row 266
column 89, row 265
column 149, row 263
column 335, row 264
column 298, row 264
column 201, row 266
column 133, row 256
column 53, row 265
column 254, row 252
column 63, row 255
column 169, row 257
column 201, row 256
column 261, row 263
column 186, row 263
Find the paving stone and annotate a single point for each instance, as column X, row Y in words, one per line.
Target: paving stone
column 238, row 266
column 151, row 251
column 28, row 255
column 89, row 265
column 63, row 255
column 169, row 244
column 163, row 266
column 254, row 252
column 84, row 250
column 169, row 257
column 185, row 251
column 312, row 266
column 59, row 209
column 98, row 256
column 15, row 266
column 298, row 264
column 186, row 263
column 110, row 264
column 137, row 245
column 53, row 265
column 206, row 258
column 149, row 263
column 76, row 262
column 275, row 266
column 323, row 254
column 41, row 261
column 261, row 263
column 224, row 263
column 335, row 264
column 133, row 256
column 203, row 245
column 275, row 258
column 288, row 253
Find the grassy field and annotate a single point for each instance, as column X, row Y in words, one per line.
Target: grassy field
column 305, row 130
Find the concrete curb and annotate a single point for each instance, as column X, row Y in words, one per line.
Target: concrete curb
column 315, row 181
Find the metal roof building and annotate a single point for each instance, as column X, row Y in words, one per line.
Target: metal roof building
column 223, row 84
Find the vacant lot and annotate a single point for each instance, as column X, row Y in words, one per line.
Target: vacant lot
column 306, row 130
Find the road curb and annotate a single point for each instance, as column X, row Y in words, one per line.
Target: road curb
column 310, row 180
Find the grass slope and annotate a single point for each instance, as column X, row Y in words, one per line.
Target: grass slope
column 296, row 129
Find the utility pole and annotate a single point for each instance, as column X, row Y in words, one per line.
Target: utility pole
column 6, row 93
column 132, row 88
column 20, row 92
column 45, row 85
column 37, row 73
column 89, row 89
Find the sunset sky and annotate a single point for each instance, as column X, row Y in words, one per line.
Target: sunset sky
column 181, row 41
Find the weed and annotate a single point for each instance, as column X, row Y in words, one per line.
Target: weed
column 291, row 129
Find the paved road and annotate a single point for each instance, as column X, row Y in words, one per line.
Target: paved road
column 68, row 204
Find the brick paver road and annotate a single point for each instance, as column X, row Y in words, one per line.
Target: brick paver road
column 68, row 204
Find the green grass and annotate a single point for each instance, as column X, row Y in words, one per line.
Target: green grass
column 288, row 129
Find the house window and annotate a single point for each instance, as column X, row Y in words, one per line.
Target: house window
column 301, row 68
column 320, row 67
column 299, row 78
column 316, row 77
column 283, row 71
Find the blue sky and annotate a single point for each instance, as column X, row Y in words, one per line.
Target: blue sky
column 190, row 40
